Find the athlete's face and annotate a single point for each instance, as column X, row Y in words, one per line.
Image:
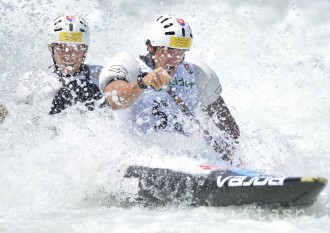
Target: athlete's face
column 69, row 58
column 168, row 58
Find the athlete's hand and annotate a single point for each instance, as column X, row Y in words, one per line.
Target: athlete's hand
column 157, row 79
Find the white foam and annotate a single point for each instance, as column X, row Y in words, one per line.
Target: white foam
column 56, row 173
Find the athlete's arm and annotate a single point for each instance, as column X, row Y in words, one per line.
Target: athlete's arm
column 225, row 121
column 118, row 81
column 209, row 94
column 3, row 113
column 121, row 94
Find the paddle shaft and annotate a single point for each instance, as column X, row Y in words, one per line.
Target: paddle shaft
column 218, row 147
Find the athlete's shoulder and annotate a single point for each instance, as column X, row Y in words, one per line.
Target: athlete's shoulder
column 122, row 66
column 207, row 81
column 94, row 73
column 204, row 74
column 94, row 70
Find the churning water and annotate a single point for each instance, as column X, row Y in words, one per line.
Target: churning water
column 57, row 174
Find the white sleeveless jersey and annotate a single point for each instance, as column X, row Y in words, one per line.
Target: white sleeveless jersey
column 195, row 83
column 156, row 110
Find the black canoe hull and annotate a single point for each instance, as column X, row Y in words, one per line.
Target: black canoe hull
column 159, row 186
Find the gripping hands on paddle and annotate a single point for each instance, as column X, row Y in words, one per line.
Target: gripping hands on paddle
column 157, row 78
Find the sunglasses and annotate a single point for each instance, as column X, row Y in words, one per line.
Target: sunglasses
column 62, row 48
column 173, row 52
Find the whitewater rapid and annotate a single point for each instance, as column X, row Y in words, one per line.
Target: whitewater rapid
column 65, row 173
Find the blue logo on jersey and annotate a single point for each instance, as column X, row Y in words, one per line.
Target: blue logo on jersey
column 182, row 83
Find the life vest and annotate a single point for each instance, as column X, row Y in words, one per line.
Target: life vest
column 78, row 88
column 156, row 110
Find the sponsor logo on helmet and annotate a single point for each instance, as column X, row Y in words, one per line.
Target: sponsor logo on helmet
column 235, row 181
column 179, row 42
column 73, row 37
column 70, row 18
column 180, row 21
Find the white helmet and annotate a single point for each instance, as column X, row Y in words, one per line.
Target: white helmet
column 69, row 30
column 170, row 32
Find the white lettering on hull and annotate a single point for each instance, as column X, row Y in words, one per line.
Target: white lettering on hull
column 238, row 181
